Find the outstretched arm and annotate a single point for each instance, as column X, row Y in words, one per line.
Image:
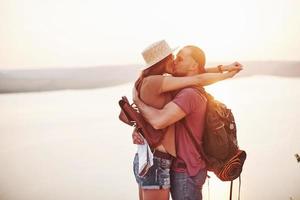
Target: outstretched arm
column 223, row 68
column 175, row 83
column 211, row 76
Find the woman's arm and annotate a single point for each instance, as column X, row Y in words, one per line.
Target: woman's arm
column 215, row 69
column 158, row 118
column 171, row 83
column 223, row 68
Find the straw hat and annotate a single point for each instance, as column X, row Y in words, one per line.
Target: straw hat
column 156, row 52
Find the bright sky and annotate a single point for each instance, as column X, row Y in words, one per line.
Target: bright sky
column 66, row 33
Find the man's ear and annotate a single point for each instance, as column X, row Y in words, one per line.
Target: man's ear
column 195, row 66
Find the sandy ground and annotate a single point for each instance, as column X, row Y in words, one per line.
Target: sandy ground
column 70, row 144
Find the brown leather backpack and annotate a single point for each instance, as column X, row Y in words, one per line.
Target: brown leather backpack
column 130, row 115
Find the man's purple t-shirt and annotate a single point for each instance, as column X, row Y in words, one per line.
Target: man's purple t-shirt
column 193, row 103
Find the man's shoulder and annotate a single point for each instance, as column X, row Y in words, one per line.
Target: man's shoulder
column 192, row 92
column 189, row 91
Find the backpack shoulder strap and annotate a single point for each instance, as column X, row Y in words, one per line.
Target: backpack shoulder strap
column 190, row 133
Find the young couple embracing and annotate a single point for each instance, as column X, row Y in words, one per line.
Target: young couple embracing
column 168, row 95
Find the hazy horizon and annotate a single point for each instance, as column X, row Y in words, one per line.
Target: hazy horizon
column 210, row 63
column 30, row 80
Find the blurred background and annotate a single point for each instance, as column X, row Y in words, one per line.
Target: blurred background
column 65, row 64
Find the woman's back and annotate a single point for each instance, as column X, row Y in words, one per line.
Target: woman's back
column 149, row 89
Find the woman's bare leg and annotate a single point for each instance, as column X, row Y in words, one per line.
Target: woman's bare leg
column 162, row 194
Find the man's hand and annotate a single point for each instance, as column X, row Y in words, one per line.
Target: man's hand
column 136, row 137
column 232, row 67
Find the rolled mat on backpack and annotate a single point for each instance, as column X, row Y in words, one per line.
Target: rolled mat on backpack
column 233, row 167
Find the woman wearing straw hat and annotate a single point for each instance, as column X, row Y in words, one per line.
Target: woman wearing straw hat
column 154, row 89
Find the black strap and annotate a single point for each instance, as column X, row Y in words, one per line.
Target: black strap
column 230, row 194
column 231, row 186
column 190, row 133
column 240, row 180
column 208, row 177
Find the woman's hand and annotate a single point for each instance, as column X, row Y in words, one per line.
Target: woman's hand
column 136, row 137
column 232, row 67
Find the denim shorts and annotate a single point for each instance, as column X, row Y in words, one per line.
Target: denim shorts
column 158, row 175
